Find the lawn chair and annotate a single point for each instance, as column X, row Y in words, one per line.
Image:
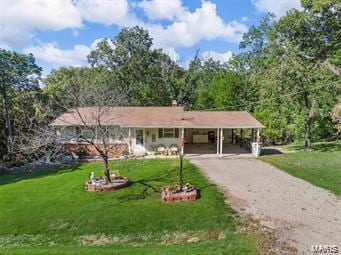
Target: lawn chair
column 161, row 149
column 174, row 149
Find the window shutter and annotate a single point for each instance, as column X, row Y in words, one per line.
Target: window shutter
column 176, row 133
column 160, row 133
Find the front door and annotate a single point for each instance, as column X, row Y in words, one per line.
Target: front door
column 139, row 136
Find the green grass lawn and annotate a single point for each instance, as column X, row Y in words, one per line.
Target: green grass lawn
column 321, row 166
column 52, row 213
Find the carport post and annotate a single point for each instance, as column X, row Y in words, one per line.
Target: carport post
column 218, row 141
column 221, row 142
column 258, row 135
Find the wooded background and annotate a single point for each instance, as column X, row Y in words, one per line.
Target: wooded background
column 287, row 75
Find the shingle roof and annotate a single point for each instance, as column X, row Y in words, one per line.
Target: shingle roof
column 156, row 117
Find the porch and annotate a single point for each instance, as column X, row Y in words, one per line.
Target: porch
column 210, row 150
column 222, row 142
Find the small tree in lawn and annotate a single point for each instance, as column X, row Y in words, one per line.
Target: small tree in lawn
column 93, row 109
column 91, row 103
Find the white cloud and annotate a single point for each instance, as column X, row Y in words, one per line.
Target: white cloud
column 172, row 54
column 162, row 9
column 51, row 54
column 56, row 57
column 221, row 57
column 278, row 7
column 19, row 19
column 40, row 14
column 192, row 27
column 106, row 12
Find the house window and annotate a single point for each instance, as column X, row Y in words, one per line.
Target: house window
column 168, row 133
column 176, row 133
column 78, row 131
column 87, row 133
column 160, row 132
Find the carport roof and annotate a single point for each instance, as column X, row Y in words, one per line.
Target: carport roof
column 156, row 117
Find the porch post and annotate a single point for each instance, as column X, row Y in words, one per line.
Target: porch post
column 129, row 140
column 218, row 141
column 182, row 140
column 232, row 136
column 221, row 142
column 241, row 137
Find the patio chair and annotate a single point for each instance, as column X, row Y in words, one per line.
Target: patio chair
column 173, row 149
column 161, row 149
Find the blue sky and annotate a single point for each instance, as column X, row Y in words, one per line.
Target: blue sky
column 62, row 32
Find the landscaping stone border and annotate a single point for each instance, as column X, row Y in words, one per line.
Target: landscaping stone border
column 107, row 187
column 179, row 197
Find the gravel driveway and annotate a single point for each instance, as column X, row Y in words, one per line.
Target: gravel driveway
column 298, row 212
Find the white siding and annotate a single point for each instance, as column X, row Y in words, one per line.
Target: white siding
column 149, row 144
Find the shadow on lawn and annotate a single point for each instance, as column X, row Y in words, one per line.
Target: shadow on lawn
column 151, row 186
column 154, row 185
column 270, row 151
column 12, row 178
column 320, row 146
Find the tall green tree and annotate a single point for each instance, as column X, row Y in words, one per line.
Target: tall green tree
column 221, row 93
column 288, row 60
column 63, row 85
column 18, row 73
column 140, row 70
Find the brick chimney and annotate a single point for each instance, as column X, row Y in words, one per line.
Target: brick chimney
column 174, row 103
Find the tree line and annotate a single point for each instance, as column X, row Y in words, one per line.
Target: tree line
column 287, row 75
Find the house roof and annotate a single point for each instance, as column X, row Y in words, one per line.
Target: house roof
column 156, row 117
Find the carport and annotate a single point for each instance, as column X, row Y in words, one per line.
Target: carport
column 219, row 133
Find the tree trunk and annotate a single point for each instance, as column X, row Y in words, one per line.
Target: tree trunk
column 8, row 124
column 308, row 120
column 307, row 133
column 106, row 168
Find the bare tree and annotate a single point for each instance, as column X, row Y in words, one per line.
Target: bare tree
column 92, row 106
column 35, row 140
column 97, row 120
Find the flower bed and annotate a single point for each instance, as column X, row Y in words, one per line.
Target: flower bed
column 100, row 184
column 169, row 195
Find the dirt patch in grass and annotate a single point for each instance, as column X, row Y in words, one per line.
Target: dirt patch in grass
column 192, row 237
column 266, row 234
column 101, row 240
column 161, row 238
